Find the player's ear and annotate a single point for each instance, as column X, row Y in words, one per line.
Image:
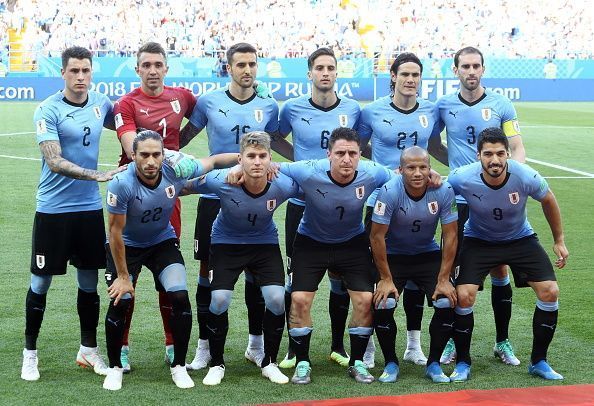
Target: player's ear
column 309, row 75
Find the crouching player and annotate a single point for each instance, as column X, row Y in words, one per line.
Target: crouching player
column 404, row 221
column 140, row 201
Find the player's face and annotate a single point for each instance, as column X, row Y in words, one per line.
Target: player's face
column 149, row 159
column 243, row 69
column 255, row 162
column 344, row 159
column 415, row 173
column 323, row 73
column 493, row 158
column 152, row 69
column 407, row 79
column 470, row 70
column 77, row 76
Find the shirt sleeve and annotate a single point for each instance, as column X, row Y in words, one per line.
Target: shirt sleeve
column 272, row 125
column 125, row 120
column 449, row 209
column 509, row 120
column 384, row 206
column 118, row 195
column 108, row 109
column 190, row 100
column 46, row 125
column 284, row 125
column 198, row 117
column 364, row 127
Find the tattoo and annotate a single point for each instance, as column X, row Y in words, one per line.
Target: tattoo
column 52, row 153
column 187, row 134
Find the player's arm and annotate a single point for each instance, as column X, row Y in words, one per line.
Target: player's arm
column 127, row 139
column 552, row 213
column 52, row 153
column 516, row 146
column 279, row 144
column 122, row 284
column 187, row 134
column 385, row 286
column 438, row 150
column 218, row 161
column 444, row 287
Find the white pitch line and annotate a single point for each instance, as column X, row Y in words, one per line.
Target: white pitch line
column 569, row 127
column 39, row 159
column 563, row 168
column 11, row 134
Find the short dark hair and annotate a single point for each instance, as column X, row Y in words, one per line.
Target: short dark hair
column 319, row 52
column 343, row 133
column 76, row 53
column 151, row 48
column 144, row 135
column 492, row 135
column 242, row 48
column 402, row 59
column 465, row 51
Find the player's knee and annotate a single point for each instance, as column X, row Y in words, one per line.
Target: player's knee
column 173, row 278
column 389, row 304
column 300, row 302
column 549, row 292
column 180, row 301
column 466, row 298
column 499, row 271
column 87, row 280
column 274, row 297
column 220, row 301
column 40, row 283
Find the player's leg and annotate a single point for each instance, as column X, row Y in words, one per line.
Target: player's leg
column 360, row 330
column 34, row 311
column 413, row 301
column 463, row 328
column 255, row 309
column 207, row 212
column 293, row 216
column 338, row 308
column 440, row 331
column 88, row 241
column 501, row 301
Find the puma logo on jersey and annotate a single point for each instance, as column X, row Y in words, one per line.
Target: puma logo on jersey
column 322, row 193
column 236, row 202
column 403, row 210
column 139, row 199
column 451, row 113
column 69, row 115
column 478, row 197
column 145, row 111
column 223, row 112
column 389, row 122
column 307, row 120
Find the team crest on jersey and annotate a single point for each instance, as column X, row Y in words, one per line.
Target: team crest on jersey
column 271, row 204
column 423, row 120
column 41, row 127
column 514, row 197
column 97, row 112
column 119, row 121
column 360, row 192
column 343, row 120
column 258, row 115
column 380, row 208
column 112, row 200
column 40, row 261
column 170, row 191
column 433, row 207
column 175, row 106
column 486, row 113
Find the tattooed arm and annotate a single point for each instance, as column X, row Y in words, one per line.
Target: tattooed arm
column 52, row 153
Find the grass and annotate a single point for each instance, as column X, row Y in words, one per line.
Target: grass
column 547, row 138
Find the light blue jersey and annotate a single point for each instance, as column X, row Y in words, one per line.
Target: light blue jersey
column 311, row 125
column 334, row 212
column 227, row 119
column 498, row 214
column 245, row 218
column 412, row 222
column 77, row 127
column 147, row 208
column 392, row 130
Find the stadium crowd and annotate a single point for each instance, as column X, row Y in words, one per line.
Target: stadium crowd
column 294, row 28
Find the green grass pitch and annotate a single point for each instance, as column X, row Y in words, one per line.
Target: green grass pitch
column 561, row 134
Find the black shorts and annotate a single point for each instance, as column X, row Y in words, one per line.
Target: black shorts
column 227, row 261
column 293, row 216
column 208, row 209
column 351, row 260
column 422, row 269
column 527, row 259
column 78, row 237
column 155, row 258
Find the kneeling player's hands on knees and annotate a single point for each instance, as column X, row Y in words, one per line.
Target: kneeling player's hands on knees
column 119, row 288
column 383, row 290
column 446, row 289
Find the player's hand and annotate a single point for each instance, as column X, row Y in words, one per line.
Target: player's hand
column 235, row 176
column 384, row 288
column 434, row 179
column 273, row 171
column 445, row 288
column 108, row 175
column 119, row 288
column 562, row 254
column 262, row 90
column 184, row 165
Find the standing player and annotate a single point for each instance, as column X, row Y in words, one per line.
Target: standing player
column 331, row 237
column 140, row 202
column 394, row 123
column 160, row 108
column 498, row 232
column 310, row 119
column 228, row 114
column 68, row 222
column 405, row 218
column 244, row 236
column 465, row 114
